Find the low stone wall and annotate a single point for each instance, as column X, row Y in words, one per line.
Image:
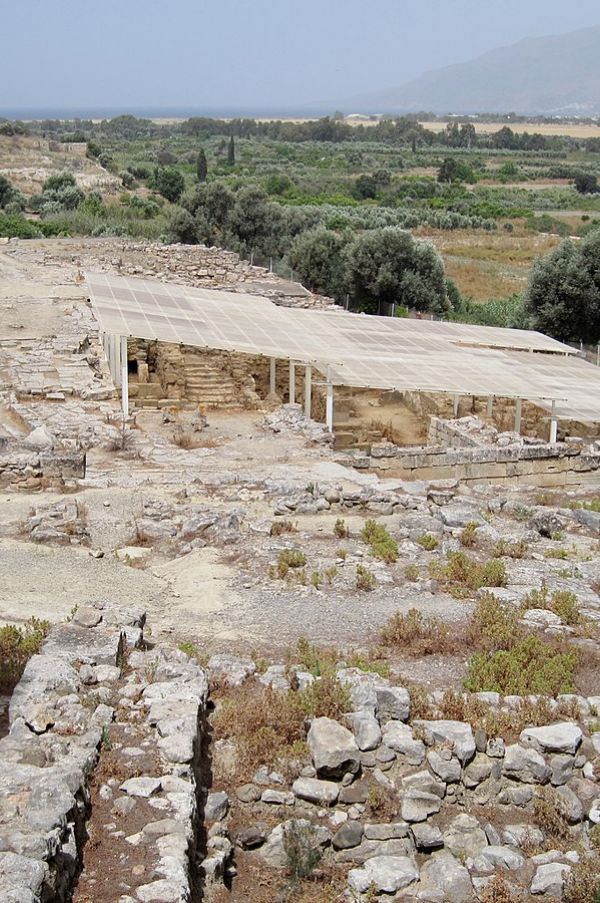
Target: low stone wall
column 22, row 468
column 560, row 465
column 94, row 677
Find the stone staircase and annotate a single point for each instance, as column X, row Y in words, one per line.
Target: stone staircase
column 206, row 383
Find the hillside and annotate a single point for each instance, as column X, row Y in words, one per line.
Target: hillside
column 557, row 74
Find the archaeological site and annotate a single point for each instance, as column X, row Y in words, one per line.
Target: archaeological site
column 297, row 605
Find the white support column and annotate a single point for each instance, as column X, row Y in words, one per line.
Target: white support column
column 490, row 405
column 329, row 403
column 455, row 405
column 118, row 361
column 518, row 409
column 113, row 341
column 553, row 425
column 124, row 377
column 273, row 376
column 307, row 389
column 292, row 382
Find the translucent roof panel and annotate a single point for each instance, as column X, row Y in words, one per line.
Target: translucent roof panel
column 355, row 349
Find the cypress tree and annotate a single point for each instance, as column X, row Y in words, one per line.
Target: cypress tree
column 231, row 152
column 201, row 166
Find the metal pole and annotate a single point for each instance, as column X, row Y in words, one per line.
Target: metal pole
column 124, row 377
column 518, row 408
column 553, row 425
column 307, row 389
column 273, row 377
column 455, row 405
column 490, row 405
column 329, row 403
column 292, row 382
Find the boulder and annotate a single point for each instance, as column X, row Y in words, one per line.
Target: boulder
column 549, row 880
column 464, row 837
column 274, row 852
column 231, row 669
column 324, row 793
column 426, row 837
column 366, row 730
column 497, row 857
column 447, row 768
column 458, row 733
column 399, row 737
column 386, row 874
column 564, row 737
column 393, row 703
column 445, row 873
column 348, row 836
column 333, row 748
column 525, row 765
column 417, row 805
column 216, row 806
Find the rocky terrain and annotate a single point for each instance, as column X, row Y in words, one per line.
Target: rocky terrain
column 349, row 686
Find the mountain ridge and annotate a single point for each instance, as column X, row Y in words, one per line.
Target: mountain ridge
column 552, row 75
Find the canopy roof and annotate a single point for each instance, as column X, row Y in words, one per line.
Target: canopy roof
column 355, row 349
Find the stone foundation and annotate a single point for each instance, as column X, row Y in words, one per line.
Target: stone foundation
column 22, row 468
column 70, row 698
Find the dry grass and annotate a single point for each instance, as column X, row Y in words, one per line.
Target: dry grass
column 574, row 129
column 268, row 726
column 189, row 440
column 416, row 635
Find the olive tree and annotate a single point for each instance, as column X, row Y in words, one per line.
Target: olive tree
column 389, row 266
column 563, row 296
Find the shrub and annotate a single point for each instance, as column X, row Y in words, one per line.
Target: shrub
column 530, row 666
column 411, row 572
column 266, row 725
column 506, row 549
column 302, row 853
column 493, row 625
column 365, row 579
column 168, row 182
column 317, row 661
column 340, row 529
column 416, row 634
column 563, row 603
column 289, row 559
column 428, row 541
column 549, row 814
column 16, row 226
column 463, row 574
column 381, row 543
column 282, row 526
column 17, row 645
column 326, row 697
column 467, row 536
column 583, row 883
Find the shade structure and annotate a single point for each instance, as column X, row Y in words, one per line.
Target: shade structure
column 355, row 349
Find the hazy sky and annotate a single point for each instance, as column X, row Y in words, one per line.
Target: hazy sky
column 260, row 54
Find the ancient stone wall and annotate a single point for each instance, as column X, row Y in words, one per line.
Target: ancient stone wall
column 95, row 701
column 22, row 468
column 561, row 465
